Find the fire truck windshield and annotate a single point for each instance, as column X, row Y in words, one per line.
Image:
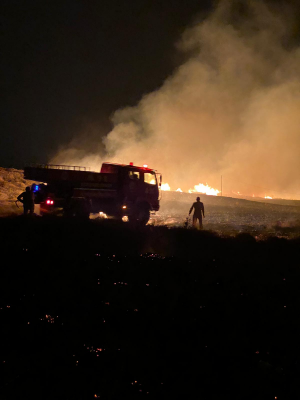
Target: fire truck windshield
column 150, row 178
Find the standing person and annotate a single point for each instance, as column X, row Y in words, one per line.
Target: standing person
column 198, row 211
column 27, row 198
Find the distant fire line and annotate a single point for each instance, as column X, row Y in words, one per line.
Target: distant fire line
column 200, row 188
column 203, row 189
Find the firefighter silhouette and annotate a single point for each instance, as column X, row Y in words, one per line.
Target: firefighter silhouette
column 27, row 198
column 198, row 212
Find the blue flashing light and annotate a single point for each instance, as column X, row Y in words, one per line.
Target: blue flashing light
column 36, row 188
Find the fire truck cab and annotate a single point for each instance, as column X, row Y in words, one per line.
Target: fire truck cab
column 118, row 190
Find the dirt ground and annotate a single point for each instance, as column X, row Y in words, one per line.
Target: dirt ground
column 98, row 309
column 231, row 216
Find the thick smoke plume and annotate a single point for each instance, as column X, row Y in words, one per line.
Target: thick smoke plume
column 231, row 109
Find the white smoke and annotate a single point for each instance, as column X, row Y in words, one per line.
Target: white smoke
column 231, row 109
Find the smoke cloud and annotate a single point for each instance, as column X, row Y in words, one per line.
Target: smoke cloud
column 231, row 109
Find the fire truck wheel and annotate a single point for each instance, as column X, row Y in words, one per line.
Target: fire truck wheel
column 143, row 215
column 82, row 211
column 78, row 209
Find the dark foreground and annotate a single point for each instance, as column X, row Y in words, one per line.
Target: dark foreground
column 100, row 310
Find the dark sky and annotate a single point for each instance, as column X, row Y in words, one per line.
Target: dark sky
column 69, row 64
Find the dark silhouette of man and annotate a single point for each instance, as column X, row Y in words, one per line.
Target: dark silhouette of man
column 198, row 211
column 27, row 198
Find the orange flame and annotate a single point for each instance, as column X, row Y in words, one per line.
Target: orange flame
column 165, row 186
column 201, row 188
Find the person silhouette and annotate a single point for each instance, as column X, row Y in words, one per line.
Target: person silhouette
column 27, row 198
column 198, row 211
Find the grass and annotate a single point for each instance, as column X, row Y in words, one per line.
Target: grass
column 93, row 308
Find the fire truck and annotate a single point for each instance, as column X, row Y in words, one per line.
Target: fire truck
column 118, row 190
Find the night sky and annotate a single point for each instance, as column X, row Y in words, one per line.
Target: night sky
column 69, row 65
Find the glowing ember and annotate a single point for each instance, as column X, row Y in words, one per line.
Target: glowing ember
column 204, row 189
column 268, row 197
column 165, row 186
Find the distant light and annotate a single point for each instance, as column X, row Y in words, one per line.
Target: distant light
column 124, row 206
column 131, row 163
column 145, row 166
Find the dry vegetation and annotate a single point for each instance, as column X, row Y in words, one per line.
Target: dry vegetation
column 96, row 309
column 12, row 183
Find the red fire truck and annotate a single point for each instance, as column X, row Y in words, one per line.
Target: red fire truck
column 118, row 190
